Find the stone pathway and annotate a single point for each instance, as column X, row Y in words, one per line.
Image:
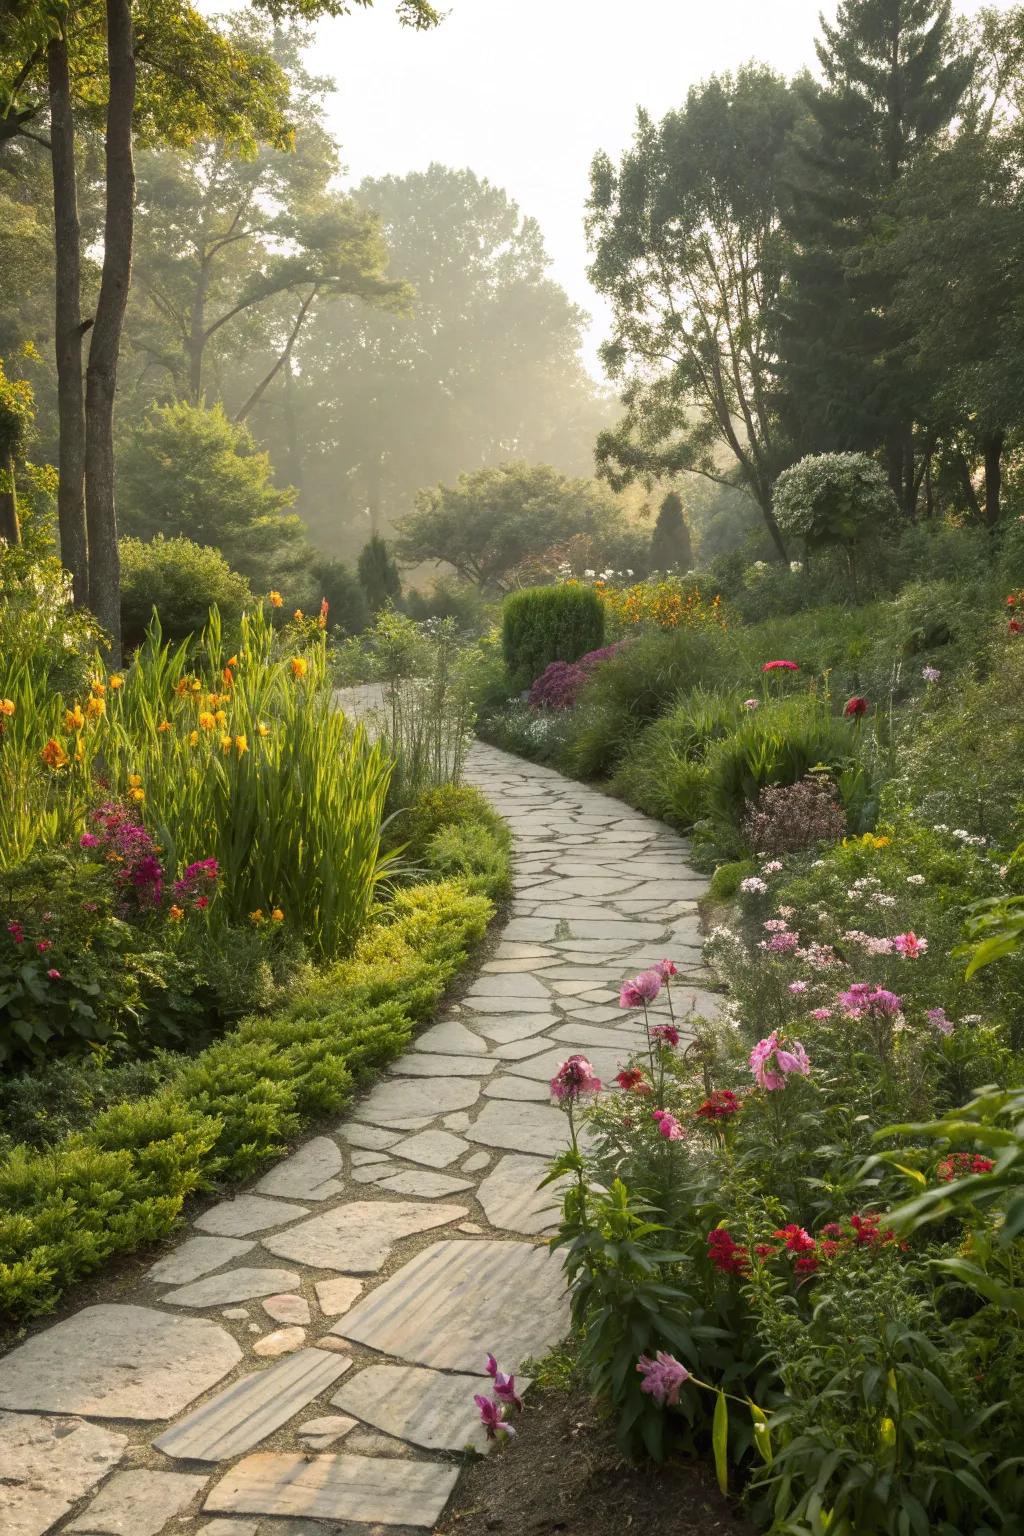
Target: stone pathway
column 303, row 1361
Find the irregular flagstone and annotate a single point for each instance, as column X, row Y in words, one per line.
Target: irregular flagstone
column 520, row 1050
column 431, row 1410
column 435, row 1149
column 364, row 1159
column 538, row 1128
column 336, row 1296
column 229, row 1528
column 450, row 1039
column 423, row 1182
column 520, row 1089
column 400, row 1100
column 578, row 1036
column 479, row 1004
column 320, row 1434
column 287, row 1309
column 604, row 1062
column 48, row 1464
column 281, row 1342
column 247, row 1213
column 251, row 1408
column 370, row 1137
column 118, row 1362
column 521, row 984
column 195, row 1257
column 459, row 1299
column 337, row 1487
column 234, row 1285
column 426, row 1065
column 476, row 1162
column 503, row 1031
column 511, row 1199
column 358, row 1236
column 137, row 1503
column 311, row 1173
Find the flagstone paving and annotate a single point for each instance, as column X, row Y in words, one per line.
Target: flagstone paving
column 230, row 1395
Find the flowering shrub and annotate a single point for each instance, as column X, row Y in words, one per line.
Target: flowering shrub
column 660, row 603
column 788, row 817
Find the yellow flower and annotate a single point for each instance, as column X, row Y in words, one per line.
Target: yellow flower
column 264, row 730
column 226, row 743
column 241, row 745
column 98, row 688
column 257, row 916
column 96, row 707
column 116, row 681
column 275, row 599
column 193, row 738
column 7, row 707
column 299, row 667
column 135, row 779
column 138, row 795
column 164, row 725
column 277, row 915
column 207, row 721
column 79, row 750
column 74, row 719
column 175, row 913
column 182, row 686
column 197, row 686
column 54, row 755
column 297, row 615
column 221, row 717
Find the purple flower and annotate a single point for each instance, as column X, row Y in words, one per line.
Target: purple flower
column 937, row 1019
column 930, row 674
column 492, row 1417
column 574, row 1078
column 662, row 1377
column 504, row 1386
column 642, row 989
column 863, row 998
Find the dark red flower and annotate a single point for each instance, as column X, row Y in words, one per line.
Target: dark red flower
column 855, row 707
column 806, row 1265
column 797, row 1239
column 959, row 1164
column 764, row 1250
column 633, row 1080
column 1015, row 626
column 726, row 1254
column 828, row 1248
column 720, row 1106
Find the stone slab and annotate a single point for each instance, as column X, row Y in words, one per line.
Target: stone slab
column 503, row 1031
column 522, row 1089
column 478, row 1003
column 606, row 1063
column 521, row 1050
column 459, row 1299
column 196, row 1257
column 424, row 1183
column 336, row 1296
column 137, row 1503
column 252, row 1408
column 449, row 1039
column 48, row 1464
column 246, row 1214
column 336, row 1487
column 288, row 1308
column 434, row 1149
column 538, row 1128
column 357, row 1236
column 311, row 1173
column 429, row 1409
column 118, row 1362
column 320, row 1434
column 511, row 1199
column 369, row 1137
column 404, row 1099
column 228, row 1528
column 281, row 1342
column 426, row 1064
column 242, row 1284
column 515, row 984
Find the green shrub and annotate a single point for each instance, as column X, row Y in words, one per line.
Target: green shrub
column 378, row 575
column 122, row 1182
column 833, row 498
column 348, row 612
column 546, row 624
column 725, row 882
column 182, row 581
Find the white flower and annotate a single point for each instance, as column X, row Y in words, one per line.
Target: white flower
column 971, row 1018
column 796, row 566
column 771, row 868
column 930, row 674
column 915, row 880
column 753, row 886
column 589, row 575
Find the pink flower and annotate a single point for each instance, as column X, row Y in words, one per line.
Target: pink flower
column 16, row 932
column 89, row 840
column 504, row 1386
column 662, row 1377
column 666, row 1033
column 642, row 989
column 783, row 943
column 492, row 1417
column 909, row 945
column 574, row 1078
column 780, row 666
column 43, row 945
column 855, row 707
column 751, row 703
column 798, row 986
column 937, row 1019
column 798, row 1239
column 668, row 1125
column 53, row 975
column 863, row 998
column 771, row 1062
column 821, row 1013
column 666, row 969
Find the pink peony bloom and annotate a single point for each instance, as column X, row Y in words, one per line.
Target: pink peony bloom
column 798, row 986
column 662, row 1377
column 640, row 990
column 574, row 1078
column 668, row 1125
column 43, row 945
column 492, row 1417
column 666, row 1033
column 863, row 998
column 937, row 1019
column 504, row 1386
column 909, row 945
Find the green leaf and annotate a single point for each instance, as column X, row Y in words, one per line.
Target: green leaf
column 720, row 1441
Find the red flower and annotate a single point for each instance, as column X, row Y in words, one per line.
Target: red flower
column 828, row 1248
column 807, row 1265
column 633, row 1080
column 1011, row 601
column 727, row 1255
column 867, row 1231
column 764, row 1250
column 780, row 666
column 856, row 707
column 832, row 1229
column 722, row 1103
column 1015, row 626
column 959, row 1164
column 797, row 1239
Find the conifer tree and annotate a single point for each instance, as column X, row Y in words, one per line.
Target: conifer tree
column 670, row 542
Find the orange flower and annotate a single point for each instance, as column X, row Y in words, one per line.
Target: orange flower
column 193, row 738
column 324, row 609
column 228, row 676
column 98, row 687
column 7, row 707
column 207, row 721
column 116, row 681
column 232, row 661
column 74, row 719
column 298, row 615
column 54, row 755
column 135, row 779
column 257, row 916
column 182, row 686
column 226, row 743
column 164, row 725
column 241, row 745
column 221, row 717
column 299, row 667
column 96, row 707
column 275, row 599
column 175, row 914
column 277, row 915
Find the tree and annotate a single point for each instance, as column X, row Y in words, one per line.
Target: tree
column 670, row 542
column 492, row 520
column 190, row 472
column 378, row 574
column 16, row 416
column 482, row 366
column 894, row 76
column 834, row 499
column 687, row 245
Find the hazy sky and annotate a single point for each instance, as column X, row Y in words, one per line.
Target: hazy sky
column 525, row 91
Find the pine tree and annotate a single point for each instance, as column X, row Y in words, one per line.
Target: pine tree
column 378, row 574
column 670, row 541
column 893, row 79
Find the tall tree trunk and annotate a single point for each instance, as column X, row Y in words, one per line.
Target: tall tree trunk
column 68, row 330
column 284, row 361
column 101, row 377
column 967, row 484
column 763, row 493
column 10, row 528
column 994, row 444
column 296, row 468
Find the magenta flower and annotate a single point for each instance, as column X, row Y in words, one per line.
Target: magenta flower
column 574, row 1078
column 821, row 1013
column 492, row 1417
column 666, row 1033
column 779, row 666
column 863, row 998
column 798, row 986
column 937, row 1019
column 666, row 969
column 53, row 975
column 504, row 1386
column 668, row 1125
column 42, row 945
column 640, row 990
column 772, row 1062
column 783, row 943
column 89, row 840
column 909, row 945
column 16, row 931
column 662, row 1377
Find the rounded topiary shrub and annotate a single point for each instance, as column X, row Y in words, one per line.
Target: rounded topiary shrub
column 182, row 581
column 833, row 498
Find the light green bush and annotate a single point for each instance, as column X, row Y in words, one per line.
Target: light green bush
column 182, row 581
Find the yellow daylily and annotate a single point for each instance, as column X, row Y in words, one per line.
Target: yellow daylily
column 74, row 720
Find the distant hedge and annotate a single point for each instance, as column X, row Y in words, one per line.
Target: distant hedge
column 546, row 624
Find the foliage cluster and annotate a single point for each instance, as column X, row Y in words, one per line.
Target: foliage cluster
column 545, row 624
